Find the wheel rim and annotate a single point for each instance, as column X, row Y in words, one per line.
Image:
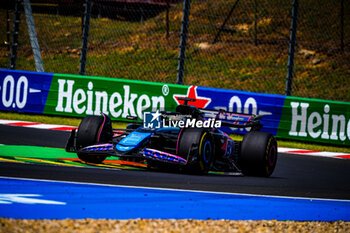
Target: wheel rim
column 207, row 151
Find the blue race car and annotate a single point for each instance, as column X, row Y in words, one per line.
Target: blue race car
column 181, row 143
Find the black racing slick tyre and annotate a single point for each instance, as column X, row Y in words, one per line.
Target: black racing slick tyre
column 258, row 154
column 92, row 130
column 199, row 143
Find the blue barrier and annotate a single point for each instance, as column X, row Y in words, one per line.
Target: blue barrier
column 24, row 91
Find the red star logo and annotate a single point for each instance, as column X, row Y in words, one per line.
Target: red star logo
column 201, row 102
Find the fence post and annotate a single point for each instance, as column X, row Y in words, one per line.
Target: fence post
column 85, row 37
column 342, row 25
column 223, row 25
column 184, row 27
column 291, row 52
column 8, row 33
column 33, row 37
column 15, row 33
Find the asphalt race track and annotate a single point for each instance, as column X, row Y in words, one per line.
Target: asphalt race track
column 294, row 176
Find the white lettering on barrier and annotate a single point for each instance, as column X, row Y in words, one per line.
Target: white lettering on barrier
column 341, row 120
column 142, row 107
column 158, row 102
column 90, row 96
column 79, row 98
column 311, row 125
column 299, row 118
column 128, row 103
column 101, row 95
column 325, row 134
column 250, row 104
column 21, row 103
column 114, row 104
column 8, row 88
column 235, row 100
column 64, row 94
column 316, row 125
column 15, row 95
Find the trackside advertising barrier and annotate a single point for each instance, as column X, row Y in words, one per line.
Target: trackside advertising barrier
column 315, row 120
column 72, row 95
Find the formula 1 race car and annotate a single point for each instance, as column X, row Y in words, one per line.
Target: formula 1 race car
column 188, row 140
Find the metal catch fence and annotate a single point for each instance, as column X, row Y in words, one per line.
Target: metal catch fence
column 241, row 45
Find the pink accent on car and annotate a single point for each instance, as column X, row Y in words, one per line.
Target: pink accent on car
column 103, row 124
column 224, row 145
column 166, row 153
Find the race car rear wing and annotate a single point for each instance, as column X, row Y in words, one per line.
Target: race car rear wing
column 235, row 120
column 228, row 119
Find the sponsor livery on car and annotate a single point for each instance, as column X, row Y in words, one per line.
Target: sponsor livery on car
column 186, row 140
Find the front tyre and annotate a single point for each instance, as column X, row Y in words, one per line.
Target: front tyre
column 92, row 130
column 196, row 141
column 258, row 154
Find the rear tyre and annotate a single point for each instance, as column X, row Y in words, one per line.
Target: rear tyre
column 258, row 155
column 92, row 130
column 198, row 142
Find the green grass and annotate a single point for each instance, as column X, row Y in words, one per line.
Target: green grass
column 71, row 121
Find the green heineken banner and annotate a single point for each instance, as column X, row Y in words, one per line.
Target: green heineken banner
column 294, row 118
column 80, row 96
column 315, row 120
